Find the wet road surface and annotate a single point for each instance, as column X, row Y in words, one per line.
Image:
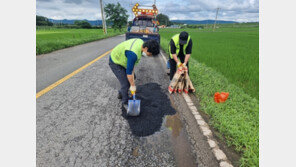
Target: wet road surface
column 81, row 122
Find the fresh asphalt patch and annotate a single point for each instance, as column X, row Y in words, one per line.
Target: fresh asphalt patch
column 155, row 104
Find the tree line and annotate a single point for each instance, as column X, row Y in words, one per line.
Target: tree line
column 44, row 21
column 116, row 17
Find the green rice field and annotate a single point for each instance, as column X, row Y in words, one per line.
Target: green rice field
column 235, row 53
column 227, row 60
column 48, row 40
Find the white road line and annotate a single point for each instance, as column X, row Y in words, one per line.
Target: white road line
column 164, row 59
column 204, row 127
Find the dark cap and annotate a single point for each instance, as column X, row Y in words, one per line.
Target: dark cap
column 183, row 37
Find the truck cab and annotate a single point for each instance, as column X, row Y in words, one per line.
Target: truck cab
column 144, row 25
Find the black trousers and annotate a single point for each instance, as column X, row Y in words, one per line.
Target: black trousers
column 120, row 73
column 173, row 65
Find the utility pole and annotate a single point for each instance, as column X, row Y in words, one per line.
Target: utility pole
column 216, row 17
column 154, row 2
column 103, row 18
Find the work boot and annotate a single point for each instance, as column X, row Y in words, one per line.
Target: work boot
column 124, row 106
column 168, row 71
column 119, row 96
column 168, row 67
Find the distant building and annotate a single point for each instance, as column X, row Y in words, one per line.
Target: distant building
column 174, row 26
column 200, row 27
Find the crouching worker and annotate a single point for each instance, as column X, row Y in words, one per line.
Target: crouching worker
column 180, row 47
column 123, row 59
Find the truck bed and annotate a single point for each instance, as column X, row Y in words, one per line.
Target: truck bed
column 143, row 36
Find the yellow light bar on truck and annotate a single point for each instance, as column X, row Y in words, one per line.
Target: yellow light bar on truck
column 153, row 11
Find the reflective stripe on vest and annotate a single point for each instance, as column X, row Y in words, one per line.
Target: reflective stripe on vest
column 176, row 40
column 118, row 53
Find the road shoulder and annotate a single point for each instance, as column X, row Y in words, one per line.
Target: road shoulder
column 205, row 141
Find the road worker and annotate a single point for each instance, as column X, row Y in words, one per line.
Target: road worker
column 123, row 59
column 180, row 47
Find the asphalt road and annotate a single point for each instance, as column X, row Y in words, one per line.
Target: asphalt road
column 54, row 66
column 80, row 122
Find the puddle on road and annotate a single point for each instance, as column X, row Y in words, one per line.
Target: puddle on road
column 179, row 140
column 159, row 123
column 174, row 124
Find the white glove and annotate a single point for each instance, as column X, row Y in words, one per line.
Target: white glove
column 185, row 68
column 179, row 64
column 133, row 89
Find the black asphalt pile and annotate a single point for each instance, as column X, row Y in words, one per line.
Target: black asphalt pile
column 155, row 104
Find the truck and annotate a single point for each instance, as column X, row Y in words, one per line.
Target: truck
column 144, row 25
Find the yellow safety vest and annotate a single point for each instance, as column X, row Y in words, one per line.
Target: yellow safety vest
column 176, row 39
column 118, row 53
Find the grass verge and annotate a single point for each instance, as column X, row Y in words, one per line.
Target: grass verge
column 237, row 119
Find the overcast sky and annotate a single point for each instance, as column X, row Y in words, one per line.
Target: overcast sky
column 234, row 10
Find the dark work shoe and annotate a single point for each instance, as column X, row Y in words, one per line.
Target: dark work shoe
column 125, row 106
column 168, row 71
column 119, row 96
column 124, row 110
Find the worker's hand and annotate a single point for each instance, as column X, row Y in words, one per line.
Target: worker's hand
column 133, row 89
column 180, row 67
column 179, row 64
column 185, row 68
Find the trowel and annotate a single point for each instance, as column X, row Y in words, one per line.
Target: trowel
column 133, row 108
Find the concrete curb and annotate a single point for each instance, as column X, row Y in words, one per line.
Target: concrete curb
column 204, row 127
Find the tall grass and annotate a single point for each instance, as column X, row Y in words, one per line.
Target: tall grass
column 237, row 119
column 48, row 40
column 227, row 60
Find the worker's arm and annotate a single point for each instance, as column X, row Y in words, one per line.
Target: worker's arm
column 175, row 58
column 187, row 56
column 131, row 60
column 188, row 52
column 131, row 80
column 173, row 51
